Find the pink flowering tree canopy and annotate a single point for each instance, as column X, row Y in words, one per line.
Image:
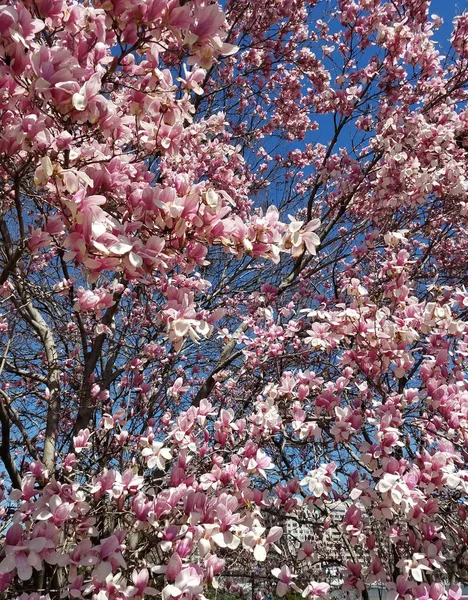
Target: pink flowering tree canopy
column 233, row 299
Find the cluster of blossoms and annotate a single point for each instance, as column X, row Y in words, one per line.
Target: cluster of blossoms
column 107, row 213
column 207, row 343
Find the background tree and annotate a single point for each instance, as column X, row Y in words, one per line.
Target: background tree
column 233, row 270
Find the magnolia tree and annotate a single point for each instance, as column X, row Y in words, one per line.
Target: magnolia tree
column 233, row 246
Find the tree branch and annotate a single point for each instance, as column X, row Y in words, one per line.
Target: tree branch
column 226, row 358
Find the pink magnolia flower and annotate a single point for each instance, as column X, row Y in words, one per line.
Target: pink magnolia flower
column 434, row 591
column 259, row 463
column 191, row 80
column 455, row 592
column 28, row 489
column 353, row 577
column 109, row 553
column 127, row 483
column 401, row 590
column 188, row 583
column 95, row 300
column 206, row 36
column 306, row 551
column 174, row 566
column 376, row 571
column 285, row 580
column 156, row 454
column 38, row 469
column 88, row 91
column 311, row 240
column 299, row 237
column 43, row 173
column 56, row 510
column 69, row 462
column 319, row 481
column 213, row 565
column 81, row 441
column 22, row 554
column 316, row 590
column 356, row 289
column 254, row 541
column 415, row 566
column 140, row 584
column 82, row 555
column 39, row 239
column 103, row 482
column 225, row 518
column 178, row 387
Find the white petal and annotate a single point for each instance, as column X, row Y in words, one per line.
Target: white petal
column 135, row 260
column 260, row 553
column 79, row 102
column 120, row 248
column 180, row 327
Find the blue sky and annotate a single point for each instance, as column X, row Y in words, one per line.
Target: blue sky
column 447, row 9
